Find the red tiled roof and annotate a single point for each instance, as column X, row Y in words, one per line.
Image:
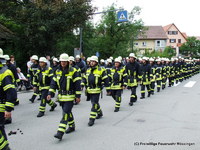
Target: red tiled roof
column 153, row 32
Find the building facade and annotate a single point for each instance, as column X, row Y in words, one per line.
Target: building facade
column 152, row 38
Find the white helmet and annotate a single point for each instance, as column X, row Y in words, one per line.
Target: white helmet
column 158, row 59
column 6, row 57
column 151, row 59
column 120, row 57
column 43, row 59
column 109, row 60
column 64, row 57
column 145, row 58
column 111, row 57
column 78, row 56
column 132, row 55
column 71, row 58
column 1, row 53
column 102, row 60
column 94, row 58
column 118, row 60
column 56, row 60
column 167, row 59
column 35, row 57
column 2, row 59
column 88, row 59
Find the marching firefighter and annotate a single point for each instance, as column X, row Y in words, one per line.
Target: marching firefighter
column 43, row 79
column 8, row 97
column 153, row 79
column 68, row 83
column 159, row 70
column 93, row 81
column 171, row 73
column 31, row 74
column 134, row 76
column 73, row 64
column 118, row 80
column 146, row 77
column 16, row 79
column 164, row 73
column 55, row 64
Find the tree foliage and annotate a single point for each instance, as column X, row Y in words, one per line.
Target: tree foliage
column 113, row 38
column 191, row 48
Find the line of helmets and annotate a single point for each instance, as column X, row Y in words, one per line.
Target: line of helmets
column 66, row 57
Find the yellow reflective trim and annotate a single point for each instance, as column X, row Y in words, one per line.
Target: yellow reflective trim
column 76, row 79
column 8, row 86
column 9, row 104
column 78, row 92
column 60, row 129
column 62, row 125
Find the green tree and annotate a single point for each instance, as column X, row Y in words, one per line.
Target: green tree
column 191, row 48
column 112, row 38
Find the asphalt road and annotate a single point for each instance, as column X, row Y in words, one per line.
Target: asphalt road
column 169, row 117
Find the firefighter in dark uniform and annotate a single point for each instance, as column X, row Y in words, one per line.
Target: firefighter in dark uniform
column 16, row 80
column 72, row 63
column 13, row 69
column 87, row 67
column 158, row 74
column 8, row 97
column 146, row 77
column 118, row 80
column 164, row 73
column 31, row 74
column 177, row 70
column 68, row 83
column 43, row 79
column 55, row 65
column 133, row 76
column 153, row 79
column 93, row 81
column 171, row 73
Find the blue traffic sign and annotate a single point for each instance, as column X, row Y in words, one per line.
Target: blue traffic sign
column 122, row 16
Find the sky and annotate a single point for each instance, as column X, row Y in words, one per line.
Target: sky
column 185, row 14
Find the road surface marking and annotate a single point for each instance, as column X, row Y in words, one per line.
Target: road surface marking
column 190, row 84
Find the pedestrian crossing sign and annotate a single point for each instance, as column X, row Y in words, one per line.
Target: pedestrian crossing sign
column 122, row 16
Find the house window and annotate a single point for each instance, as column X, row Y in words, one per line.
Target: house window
column 179, row 40
column 172, row 32
column 158, row 43
column 144, row 44
column 172, row 40
column 135, row 43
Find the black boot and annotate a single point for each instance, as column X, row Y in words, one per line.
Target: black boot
column 99, row 115
column 91, row 122
column 142, row 97
column 32, row 100
column 131, row 103
column 8, row 121
column 53, row 107
column 59, row 135
column 149, row 94
column 7, row 148
column 158, row 90
column 70, row 129
column 17, row 103
column 116, row 109
column 40, row 114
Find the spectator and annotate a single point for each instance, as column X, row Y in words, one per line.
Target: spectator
column 12, row 60
column 29, row 64
column 48, row 60
column 23, row 80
